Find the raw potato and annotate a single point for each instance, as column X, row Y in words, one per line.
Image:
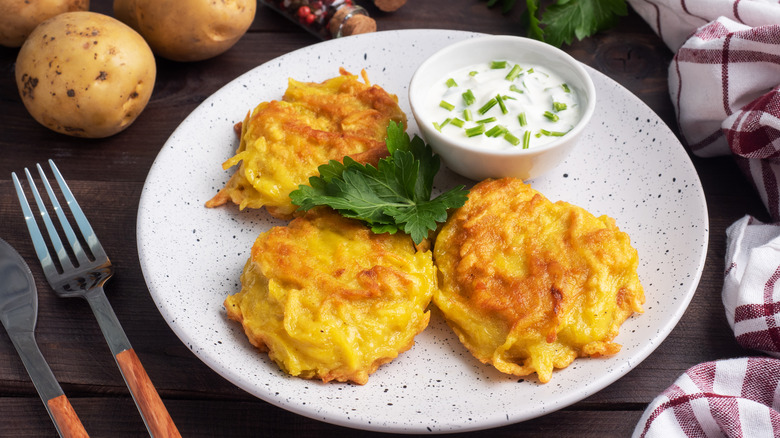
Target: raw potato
column 188, row 30
column 85, row 74
column 19, row 17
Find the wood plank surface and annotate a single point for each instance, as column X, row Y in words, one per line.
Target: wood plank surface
column 107, row 176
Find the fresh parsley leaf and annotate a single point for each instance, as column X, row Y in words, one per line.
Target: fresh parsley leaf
column 580, row 18
column 394, row 195
column 534, row 30
column 565, row 20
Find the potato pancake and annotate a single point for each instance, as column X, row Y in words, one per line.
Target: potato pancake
column 529, row 285
column 283, row 142
column 329, row 299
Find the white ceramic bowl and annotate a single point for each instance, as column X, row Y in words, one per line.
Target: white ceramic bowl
column 477, row 162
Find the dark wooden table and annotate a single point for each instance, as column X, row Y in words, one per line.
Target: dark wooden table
column 107, row 176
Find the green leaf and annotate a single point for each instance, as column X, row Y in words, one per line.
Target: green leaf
column 417, row 220
column 429, row 167
column 569, row 19
column 531, row 15
column 394, row 195
column 333, row 169
column 397, row 138
column 565, row 20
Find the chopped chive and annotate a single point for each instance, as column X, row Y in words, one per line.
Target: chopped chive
column 498, row 64
column 514, row 73
column 501, row 104
column 511, row 139
column 552, row 133
column 559, row 106
column 475, row 131
column 495, row 131
column 467, row 114
column 516, row 89
column 530, row 70
column 468, row 97
column 526, row 139
column 522, row 119
column 505, row 97
column 486, row 107
column 451, row 83
column 552, row 117
column 487, row 120
column 473, row 73
column 446, row 105
column 457, row 122
column 436, row 125
column 565, row 87
column 445, row 122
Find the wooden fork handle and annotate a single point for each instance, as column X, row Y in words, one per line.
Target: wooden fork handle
column 149, row 403
column 65, row 418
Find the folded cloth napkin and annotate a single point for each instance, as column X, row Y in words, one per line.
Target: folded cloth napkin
column 733, row 397
column 727, row 398
column 723, row 81
column 751, row 288
column 676, row 20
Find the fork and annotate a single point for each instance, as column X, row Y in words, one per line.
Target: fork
column 81, row 274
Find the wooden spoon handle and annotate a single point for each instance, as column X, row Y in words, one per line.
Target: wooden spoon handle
column 65, row 418
column 155, row 415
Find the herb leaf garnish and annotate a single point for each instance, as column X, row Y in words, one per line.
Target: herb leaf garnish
column 564, row 20
column 394, row 195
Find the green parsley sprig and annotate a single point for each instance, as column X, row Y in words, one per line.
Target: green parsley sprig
column 394, row 195
column 564, row 20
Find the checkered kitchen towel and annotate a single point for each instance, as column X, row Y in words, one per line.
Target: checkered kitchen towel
column 728, row 398
column 724, row 81
column 734, row 397
column 751, row 287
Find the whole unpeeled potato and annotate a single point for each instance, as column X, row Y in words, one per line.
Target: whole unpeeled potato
column 19, row 17
column 188, row 30
column 85, row 74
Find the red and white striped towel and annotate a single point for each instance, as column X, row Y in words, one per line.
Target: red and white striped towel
column 676, row 20
column 734, row 397
column 723, row 81
column 728, row 398
column 751, row 288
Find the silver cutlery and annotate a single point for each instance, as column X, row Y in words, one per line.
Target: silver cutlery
column 18, row 314
column 76, row 271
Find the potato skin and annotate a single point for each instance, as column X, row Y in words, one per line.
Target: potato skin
column 188, row 30
column 85, row 74
column 19, row 17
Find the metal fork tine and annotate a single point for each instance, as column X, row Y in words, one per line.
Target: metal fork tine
column 35, row 233
column 86, row 281
column 59, row 248
column 75, row 245
column 81, row 219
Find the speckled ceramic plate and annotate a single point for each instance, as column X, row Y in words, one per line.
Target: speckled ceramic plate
column 629, row 165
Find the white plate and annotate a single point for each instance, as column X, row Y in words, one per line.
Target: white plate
column 628, row 165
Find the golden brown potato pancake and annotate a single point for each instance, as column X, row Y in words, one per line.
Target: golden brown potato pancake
column 529, row 285
column 329, row 299
column 283, row 142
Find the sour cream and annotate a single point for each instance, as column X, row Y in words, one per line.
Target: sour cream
column 503, row 104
